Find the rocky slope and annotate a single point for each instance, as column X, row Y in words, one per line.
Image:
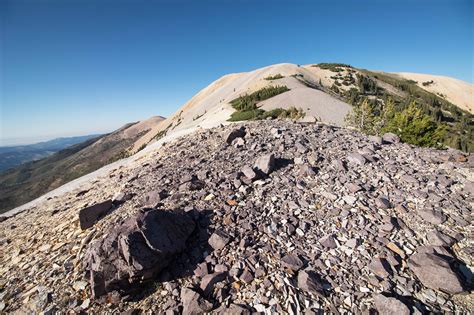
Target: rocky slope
column 277, row 217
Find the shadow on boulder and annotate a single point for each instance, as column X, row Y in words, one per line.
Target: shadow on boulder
column 141, row 250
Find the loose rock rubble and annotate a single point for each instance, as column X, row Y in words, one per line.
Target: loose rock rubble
column 268, row 216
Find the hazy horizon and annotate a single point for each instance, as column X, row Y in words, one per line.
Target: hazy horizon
column 72, row 68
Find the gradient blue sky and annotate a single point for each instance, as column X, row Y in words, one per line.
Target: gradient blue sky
column 77, row 67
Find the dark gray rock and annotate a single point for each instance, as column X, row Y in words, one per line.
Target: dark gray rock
column 193, row 302
column 382, row 203
column 292, row 262
column 390, row 305
column 309, row 281
column 236, row 133
column 435, row 272
column 136, row 250
column 90, row 215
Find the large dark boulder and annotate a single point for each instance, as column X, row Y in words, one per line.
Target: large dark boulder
column 137, row 250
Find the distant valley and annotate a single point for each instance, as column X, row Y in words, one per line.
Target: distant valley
column 11, row 156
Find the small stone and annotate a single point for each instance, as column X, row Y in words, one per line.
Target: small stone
column 249, row 172
column 209, row 281
column 356, row 158
column 394, row 248
column 390, row 138
column 265, row 163
column 193, row 303
column 380, row 268
column 219, row 239
column 328, row 241
column 309, row 281
column 375, row 139
column 382, row 203
column 292, row 262
column 236, row 133
column 201, row 270
column 79, row 285
column 246, row 276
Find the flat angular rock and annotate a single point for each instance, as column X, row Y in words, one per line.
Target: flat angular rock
column 236, row 133
column 380, row 268
column 353, row 188
column 153, row 198
column 390, row 305
column 435, row 272
column 90, row 215
column 265, row 163
column 249, row 172
column 376, row 139
column 438, row 238
column 219, row 239
column 328, row 241
column 209, row 281
column 432, row 216
column 306, row 170
column 390, row 138
column 246, row 276
column 310, row 281
column 356, row 158
column 382, row 203
column 193, row 302
column 292, row 262
column 136, row 250
column 121, row 197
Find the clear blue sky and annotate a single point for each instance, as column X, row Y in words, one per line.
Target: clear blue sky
column 72, row 67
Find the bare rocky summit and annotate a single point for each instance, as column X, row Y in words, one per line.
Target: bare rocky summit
column 268, row 216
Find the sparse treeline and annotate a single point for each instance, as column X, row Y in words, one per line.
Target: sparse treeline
column 411, row 124
column 418, row 116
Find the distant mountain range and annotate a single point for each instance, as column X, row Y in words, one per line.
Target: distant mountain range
column 30, row 180
column 11, row 156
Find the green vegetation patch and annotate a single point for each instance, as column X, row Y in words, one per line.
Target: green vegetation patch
column 334, row 67
column 260, row 114
column 275, row 77
column 248, row 102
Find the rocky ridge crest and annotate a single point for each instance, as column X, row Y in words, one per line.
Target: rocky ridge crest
column 280, row 217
